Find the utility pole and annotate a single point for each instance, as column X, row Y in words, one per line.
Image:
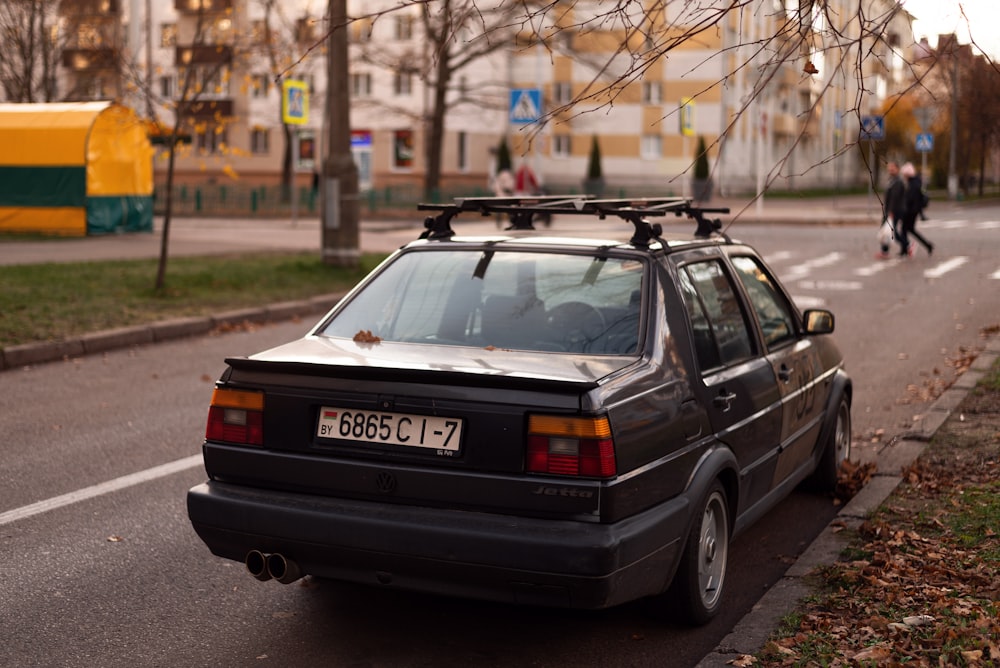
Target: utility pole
column 952, row 161
column 339, row 194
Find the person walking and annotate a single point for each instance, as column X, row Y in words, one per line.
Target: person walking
column 913, row 205
column 892, row 210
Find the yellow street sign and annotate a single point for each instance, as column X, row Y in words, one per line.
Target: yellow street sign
column 294, row 102
column 687, row 116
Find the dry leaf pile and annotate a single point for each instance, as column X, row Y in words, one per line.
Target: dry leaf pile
column 921, row 584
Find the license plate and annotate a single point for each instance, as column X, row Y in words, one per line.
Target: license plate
column 415, row 431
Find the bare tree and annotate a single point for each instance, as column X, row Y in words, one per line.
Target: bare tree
column 29, row 53
column 281, row 37
column 196, row 81
column 436, row 45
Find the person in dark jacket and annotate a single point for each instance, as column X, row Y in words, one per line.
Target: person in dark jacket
column 913, row 204
column 893, row 208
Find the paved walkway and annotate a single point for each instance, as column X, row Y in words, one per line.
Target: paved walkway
column 208, row 236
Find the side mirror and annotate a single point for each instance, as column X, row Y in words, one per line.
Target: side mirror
column 818, row 321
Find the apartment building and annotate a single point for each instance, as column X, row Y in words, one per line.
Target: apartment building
column 773, row 89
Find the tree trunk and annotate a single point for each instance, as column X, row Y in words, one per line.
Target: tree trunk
column 435, row 139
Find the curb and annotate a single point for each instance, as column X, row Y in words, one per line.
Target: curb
column 27, row 354
column 750, row 635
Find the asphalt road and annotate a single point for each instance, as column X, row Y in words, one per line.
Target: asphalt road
column 104, row 569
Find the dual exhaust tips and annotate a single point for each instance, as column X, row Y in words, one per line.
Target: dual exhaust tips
column 267, row 566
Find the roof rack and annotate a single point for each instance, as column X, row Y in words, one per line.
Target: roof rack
column 522, row 211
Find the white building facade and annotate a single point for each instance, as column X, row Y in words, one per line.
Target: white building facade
column 773, row 91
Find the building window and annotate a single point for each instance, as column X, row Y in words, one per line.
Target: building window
column 404, row 27
column 562, row 146
column 213, row 82
column 651, row 147
column 168, row 35
column 652, row 92
column 402, row 153
column 361, row 84
column 463, row 152
column 211, row 140
column 403, row 83
column 562, row 92
column 258, row 31
column 260, row 85
column 260, row 141
column 305, row 30
column 167, row 87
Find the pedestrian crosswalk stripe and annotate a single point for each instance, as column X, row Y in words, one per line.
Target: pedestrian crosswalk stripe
column 822, row 261
column 946, row 266
column 873, row 269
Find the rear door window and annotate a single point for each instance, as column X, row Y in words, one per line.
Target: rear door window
column 719, row 325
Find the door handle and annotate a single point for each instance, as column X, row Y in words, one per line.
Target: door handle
column 784, row 374
column 724, row 400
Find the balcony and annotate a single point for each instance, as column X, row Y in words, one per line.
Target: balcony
column 84, row 60
column 80, row 8
column 204, row 54
column 207, row 109
column 205, row 6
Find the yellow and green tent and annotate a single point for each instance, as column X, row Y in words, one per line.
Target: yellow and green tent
column 75, row 169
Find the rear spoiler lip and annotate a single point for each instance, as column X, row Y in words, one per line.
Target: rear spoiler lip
column 429, row 376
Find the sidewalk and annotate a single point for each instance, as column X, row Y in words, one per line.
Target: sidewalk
column 218, row 236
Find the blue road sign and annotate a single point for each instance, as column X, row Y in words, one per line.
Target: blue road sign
column 525, row 105
column 925, row 142
column 873, row 127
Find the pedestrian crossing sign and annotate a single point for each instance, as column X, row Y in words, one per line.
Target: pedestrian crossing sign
column 294, row 102
column 525, row 105
column 925, row 142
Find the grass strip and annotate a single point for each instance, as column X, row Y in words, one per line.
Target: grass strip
column 56, row 301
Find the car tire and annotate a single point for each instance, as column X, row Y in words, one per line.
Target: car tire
column 836, row 450
column 698, row 586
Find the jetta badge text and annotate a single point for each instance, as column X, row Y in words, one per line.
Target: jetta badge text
column 542, row 490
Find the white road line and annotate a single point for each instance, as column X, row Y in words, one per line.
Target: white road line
column 100, row 489
column 943, row 268
column 780, row 256
column 804, row 302
column 875, row 268
column 943, row 224
column 995, row 275
column 831, row 285
column 804, row 268
column 988, row 225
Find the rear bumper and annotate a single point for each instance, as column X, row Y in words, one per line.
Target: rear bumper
column 450, row 552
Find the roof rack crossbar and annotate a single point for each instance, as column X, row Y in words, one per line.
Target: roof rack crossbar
column 522, row 209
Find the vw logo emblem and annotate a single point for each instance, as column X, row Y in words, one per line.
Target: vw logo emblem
column 386, row 483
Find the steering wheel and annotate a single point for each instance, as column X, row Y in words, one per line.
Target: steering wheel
column 576, row 325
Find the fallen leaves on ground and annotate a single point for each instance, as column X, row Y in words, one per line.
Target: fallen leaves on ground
column 919, row 585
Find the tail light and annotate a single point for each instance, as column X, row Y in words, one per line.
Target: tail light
column 573, row 446
column 236, row 416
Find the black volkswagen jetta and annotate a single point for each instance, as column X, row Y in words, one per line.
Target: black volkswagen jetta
column 548, row 421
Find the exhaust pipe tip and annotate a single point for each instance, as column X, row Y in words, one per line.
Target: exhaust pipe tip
column 283, row 570
column 256, row 563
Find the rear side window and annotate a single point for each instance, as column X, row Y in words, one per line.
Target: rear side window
column 774, row 313
column 504, row 299
column 719, row 326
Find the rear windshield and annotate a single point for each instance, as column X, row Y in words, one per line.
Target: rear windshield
column 504, row 299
